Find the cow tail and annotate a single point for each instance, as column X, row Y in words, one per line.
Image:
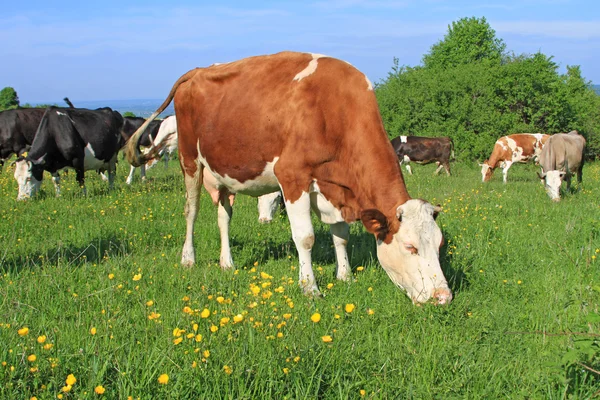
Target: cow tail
column 452, row 150
column 132, row 149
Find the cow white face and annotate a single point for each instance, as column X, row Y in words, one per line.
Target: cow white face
column 28, row 184
column 411, row 259
column 486, row 171
column 552, row 182
column 267, row 206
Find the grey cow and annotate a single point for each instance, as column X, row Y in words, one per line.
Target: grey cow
column 561, row 157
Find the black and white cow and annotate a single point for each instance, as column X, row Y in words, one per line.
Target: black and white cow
column 130, row 125
column 424, row 150
column 75, row 138
column 17, row 130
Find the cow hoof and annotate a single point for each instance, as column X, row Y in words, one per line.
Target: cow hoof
column 226, row 264
column 312, row 291
column 264, row 220
column 187, row 262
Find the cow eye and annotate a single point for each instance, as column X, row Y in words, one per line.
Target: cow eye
column 411, row 248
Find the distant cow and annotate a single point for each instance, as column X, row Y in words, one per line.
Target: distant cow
column 71, row 138
column 165, row 141
column 307, row 125
column 561, row 157
column 17, row 130
column 519, row 147
column 130, row 125
column 424, row 150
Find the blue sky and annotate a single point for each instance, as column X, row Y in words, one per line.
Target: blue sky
column 137, row 49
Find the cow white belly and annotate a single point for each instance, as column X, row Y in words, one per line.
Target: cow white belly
column 90, row 161
column 264, row 183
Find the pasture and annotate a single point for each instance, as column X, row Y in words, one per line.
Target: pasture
column 97, row 283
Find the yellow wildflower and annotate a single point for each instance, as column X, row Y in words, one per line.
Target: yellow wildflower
column 41, row 339
column 99, row 389
column 71, row 380
column 32, row 358
column 205, row 313
column 349, row 307
column 163, row 379
column 137, row 277
column 93, row 330
column 238, row 318
column 227, row 369
column 316, row 317
column 23, row 331
column 327, row 339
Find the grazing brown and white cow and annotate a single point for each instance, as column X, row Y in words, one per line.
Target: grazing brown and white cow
column 424, row 150
column 307, row 125
column 561, row 157
column 519, row 147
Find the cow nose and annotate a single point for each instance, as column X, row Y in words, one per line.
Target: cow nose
column 264, row 220
column 556, row 199
column 442, row 296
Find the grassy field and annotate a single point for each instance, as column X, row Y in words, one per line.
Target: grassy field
column 97, row 283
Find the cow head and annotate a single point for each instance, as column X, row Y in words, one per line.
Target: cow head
column 410, row 256
column 267, row 206
column 552, row 181
column 486, row 171
column 29, row 178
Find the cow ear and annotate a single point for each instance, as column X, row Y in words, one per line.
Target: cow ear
column 375, row 222
column 437, row 209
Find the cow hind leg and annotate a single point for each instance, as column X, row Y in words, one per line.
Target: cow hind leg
column 193, row 184
column 304, row 238
column 225, row 211
column 143, row 172
column 56, row 182
column 439, row 168
column 340, row 233
column 112, row 172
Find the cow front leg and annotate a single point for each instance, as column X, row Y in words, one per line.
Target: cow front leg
column 447, row 168
column 439, row 168
column 340, row 233
column 225, row 211
column 56, row 182
column 143, row 172
column 304, row 239
column 80, row 177
column 112, row 172
column 192, row 202
column 505, row 169
column 129, row 179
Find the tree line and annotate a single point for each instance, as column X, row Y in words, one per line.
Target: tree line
column 471, row 89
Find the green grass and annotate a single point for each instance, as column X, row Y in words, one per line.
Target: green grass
column 523, row 271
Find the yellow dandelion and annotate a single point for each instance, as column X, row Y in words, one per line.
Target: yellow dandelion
column 360, row 268
column 286, row 371
column 327, row 339
column 178, row 332
column 66, row 388
column 163, row 379
column 93, row 330
column 287, row 316
column 224, row 321
column 111, row 276
column 349, row 308
column 153, row 315
column 178, row 340
column 41, row 339
column 187, row 310
column 206, row 353
column 198, row 338
column 195, row 327
column 205, row 313
column 370, row 311
column 194, row 364
column 519, row 282
column 23, row 331
column 264, row 275
column 71, row 380
column 214, row 328
column 220, row 299
column 48, row 346
column 329, row 285
column 185, row 298
column 149, row 303
column 238, row 318
column 32, row 358
column 316, row 317
column 99, row 389
column 362, row 392
column 137, row 277
column 227, row 369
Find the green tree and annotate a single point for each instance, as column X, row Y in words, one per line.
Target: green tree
column 128, row 114
column 8, row 99
column 468, row 40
